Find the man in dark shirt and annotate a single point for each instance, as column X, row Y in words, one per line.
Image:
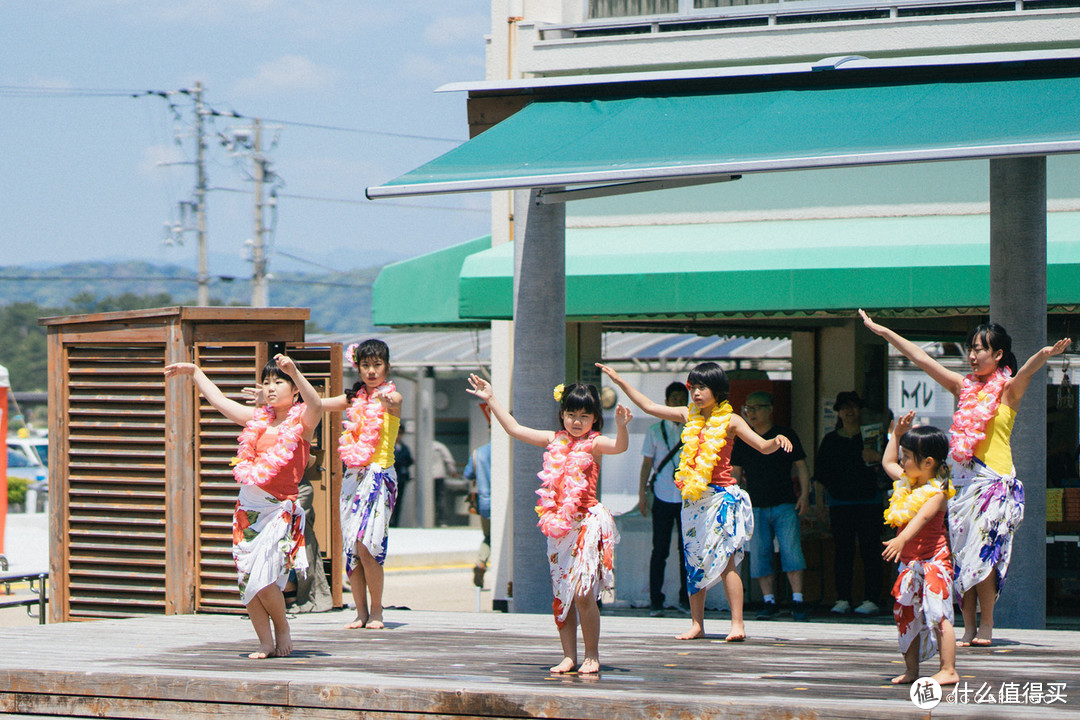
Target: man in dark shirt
column 767, row 479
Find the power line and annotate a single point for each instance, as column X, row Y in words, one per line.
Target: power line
column 355, row 201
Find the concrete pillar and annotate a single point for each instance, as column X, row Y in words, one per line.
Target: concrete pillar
column 804, row 402
column 539, row 365
column 425, row 436
column 1018, row 302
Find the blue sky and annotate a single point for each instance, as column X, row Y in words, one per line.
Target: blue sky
column 80, row 172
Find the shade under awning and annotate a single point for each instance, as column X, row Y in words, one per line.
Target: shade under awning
column 558, row 143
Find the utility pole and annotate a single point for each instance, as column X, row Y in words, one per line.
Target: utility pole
column 259, row 290
column 203, row 295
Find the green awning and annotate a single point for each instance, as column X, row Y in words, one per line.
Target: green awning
column 794, row 267
column 556, row 143
column 423, row 290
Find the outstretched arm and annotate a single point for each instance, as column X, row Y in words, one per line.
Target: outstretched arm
column 1017, row 385
column 621, row 441
column 890, row 461
column 944, row 377
column 239, row 414
column 751, row 438
column 675, row 414
column 481, row 388
column 336, row 403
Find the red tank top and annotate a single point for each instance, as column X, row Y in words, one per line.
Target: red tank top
column 721, row 472
column 286, row 484
column 927, row 542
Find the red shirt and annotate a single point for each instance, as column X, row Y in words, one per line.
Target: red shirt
column 286, row 484
column 927, row 542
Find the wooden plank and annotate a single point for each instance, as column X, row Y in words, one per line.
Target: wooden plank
column 58, row 478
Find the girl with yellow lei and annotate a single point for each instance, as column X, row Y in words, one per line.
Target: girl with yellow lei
column 581, row 534
column 989, row 504
column 268, row 525
column 717, row 519
column 369, row 489
column 923, row 590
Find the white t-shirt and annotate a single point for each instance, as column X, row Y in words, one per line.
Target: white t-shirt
column 656, row 448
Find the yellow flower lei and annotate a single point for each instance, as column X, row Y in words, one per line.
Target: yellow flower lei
column 905, row 503
column 697, row 463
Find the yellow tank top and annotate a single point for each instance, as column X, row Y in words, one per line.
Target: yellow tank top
column 995, row 449
column 384, row 450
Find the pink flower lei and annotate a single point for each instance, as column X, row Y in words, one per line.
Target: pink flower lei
column 362, row 426
column 972, row 414
column 251, row 467
column 564, row 482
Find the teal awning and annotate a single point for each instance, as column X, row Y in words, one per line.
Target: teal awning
column 554, row 143
column 795, row 268
column 423, row 290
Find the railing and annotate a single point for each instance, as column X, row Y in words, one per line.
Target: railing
column 612, row 17
column 38, row 582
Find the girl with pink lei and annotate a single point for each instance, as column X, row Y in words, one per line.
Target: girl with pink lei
column 923, row 588
column 717, row 518
column 268, row 525
column 369, row 490
column 990, row 501
column 581, row 534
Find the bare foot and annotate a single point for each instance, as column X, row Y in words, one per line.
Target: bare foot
column 375, row 623
column 284, row 644
column 262, row 653
column 981, row 642
column 735, row 637
column 567, row 665
column 591, row 665
column 358, row 623
column 905, row 679
column 946, row 677
column 695, row 632
column 965, row 641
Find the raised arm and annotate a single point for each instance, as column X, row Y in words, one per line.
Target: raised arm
column 890, row 461
column 621, row 441
column 675, row 414
column 481, row 388
column 751, row 438
column 1017, row 385
column 944, row 377
column 312, row 402
column 234, row 411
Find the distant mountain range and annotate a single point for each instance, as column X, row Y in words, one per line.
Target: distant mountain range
column 339, row 301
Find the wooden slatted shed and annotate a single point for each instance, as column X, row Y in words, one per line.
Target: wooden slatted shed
column 141, row 493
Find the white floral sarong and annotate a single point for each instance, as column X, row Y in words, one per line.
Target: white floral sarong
column 715, row 528
column 923, row 592
column 983, row 516
column 367, row 500
column 582, row 560
column 268, row 541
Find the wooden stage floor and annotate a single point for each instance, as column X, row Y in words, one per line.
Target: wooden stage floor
column 464, row 665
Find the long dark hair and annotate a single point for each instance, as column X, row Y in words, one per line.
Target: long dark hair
column 579, row 396
column 994, row 337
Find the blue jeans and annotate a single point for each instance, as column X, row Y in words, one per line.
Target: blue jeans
column 781, row 522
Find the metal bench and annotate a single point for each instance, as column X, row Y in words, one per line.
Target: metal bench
column 38, row 582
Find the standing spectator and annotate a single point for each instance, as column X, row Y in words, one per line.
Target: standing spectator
column 403, row 460
column 443, row 468
column 478, row 472
column 767, row 479
column 848, row 470
column 660, row 458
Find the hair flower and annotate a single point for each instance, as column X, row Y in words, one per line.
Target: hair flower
column 558, row 392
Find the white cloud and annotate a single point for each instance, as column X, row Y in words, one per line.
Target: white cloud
column 435, row 71
column 291, row 73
